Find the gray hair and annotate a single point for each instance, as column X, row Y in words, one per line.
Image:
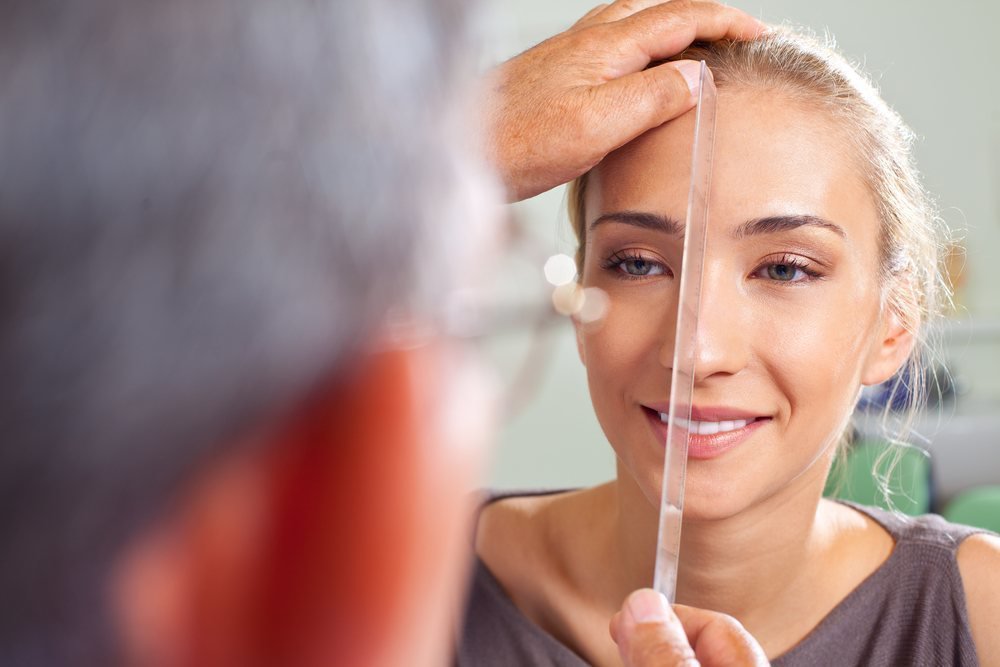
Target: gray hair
column 206, row 206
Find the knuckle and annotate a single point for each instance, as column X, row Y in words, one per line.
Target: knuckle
column 666, row 94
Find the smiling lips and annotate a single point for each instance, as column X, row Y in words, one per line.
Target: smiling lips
column 712, row 431
column 708, row 428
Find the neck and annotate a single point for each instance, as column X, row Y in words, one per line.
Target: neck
column 742, row 564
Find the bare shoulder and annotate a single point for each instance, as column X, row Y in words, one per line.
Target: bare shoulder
column 514, row 539
column 859, row 544
column 530, row 535
column 510, row 523
column 858, row 531
column 517, row 523
column 979, row 564
column 511, row 535
column 846, row 518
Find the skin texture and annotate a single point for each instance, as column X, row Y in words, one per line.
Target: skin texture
column 760, row 544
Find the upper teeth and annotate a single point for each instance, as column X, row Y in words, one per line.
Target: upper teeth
column 707, row 428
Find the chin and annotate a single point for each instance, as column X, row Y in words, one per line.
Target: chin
column 695, row 511
column 705, row 501
column 702, row 502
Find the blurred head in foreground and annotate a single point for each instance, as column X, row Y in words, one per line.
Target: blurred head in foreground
column 214, row 451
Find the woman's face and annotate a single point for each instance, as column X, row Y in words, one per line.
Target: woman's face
column 790, row 324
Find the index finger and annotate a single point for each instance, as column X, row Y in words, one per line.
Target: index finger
column 666, row 29
column 620, row 9
column 719, row 638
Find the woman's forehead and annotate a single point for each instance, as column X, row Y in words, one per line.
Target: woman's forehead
column 773, row 156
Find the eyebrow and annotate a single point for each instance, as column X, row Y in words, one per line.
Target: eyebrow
column 784, row 223
column 654, row 221
column 772, row 224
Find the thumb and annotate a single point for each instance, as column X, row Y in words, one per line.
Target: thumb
column 649, row 634
column 643, row 100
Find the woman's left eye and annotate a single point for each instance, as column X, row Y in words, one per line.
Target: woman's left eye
column 786, row 270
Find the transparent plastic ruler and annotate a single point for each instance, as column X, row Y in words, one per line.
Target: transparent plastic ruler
column 682, row 375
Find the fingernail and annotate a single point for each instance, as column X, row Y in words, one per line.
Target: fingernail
column 691, row 71
column 647, row 606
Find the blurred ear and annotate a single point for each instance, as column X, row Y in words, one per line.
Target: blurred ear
column 341, row 538
column 193, row 567
column 889, row 352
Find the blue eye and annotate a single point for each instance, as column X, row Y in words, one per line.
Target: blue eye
column 640, row 267
column 787, row 269
column 630, row 264
column 784, row 272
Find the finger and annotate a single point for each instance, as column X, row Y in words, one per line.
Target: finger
column 630, row 105
column 622, row 8
column 648, row 633
column 616, row 621
column 719, row 639
column 667, row 29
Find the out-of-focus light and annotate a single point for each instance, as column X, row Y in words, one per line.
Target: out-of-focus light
column 587, row 305
column 595, row 305
column 560, row 269
column 567, row 299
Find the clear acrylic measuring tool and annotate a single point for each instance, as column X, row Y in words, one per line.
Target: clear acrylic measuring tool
column 668, row 542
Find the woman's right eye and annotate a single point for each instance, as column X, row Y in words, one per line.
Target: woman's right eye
column 633, row 265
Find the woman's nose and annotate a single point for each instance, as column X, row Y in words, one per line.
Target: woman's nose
column 720, row 338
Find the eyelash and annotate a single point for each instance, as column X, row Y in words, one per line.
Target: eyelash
column 617, row 259
column 794, row 261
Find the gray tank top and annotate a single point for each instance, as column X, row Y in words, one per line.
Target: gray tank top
column 910, row 611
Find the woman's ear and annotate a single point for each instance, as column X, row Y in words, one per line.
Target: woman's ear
column 889, row 352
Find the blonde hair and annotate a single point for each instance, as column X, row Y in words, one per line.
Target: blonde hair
column 914, row 287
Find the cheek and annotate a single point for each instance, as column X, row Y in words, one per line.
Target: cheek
column 626, row 344
column 822, row 352
column 623, row 367
column 611, row 349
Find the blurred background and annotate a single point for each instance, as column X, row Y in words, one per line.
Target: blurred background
column 937, row 67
